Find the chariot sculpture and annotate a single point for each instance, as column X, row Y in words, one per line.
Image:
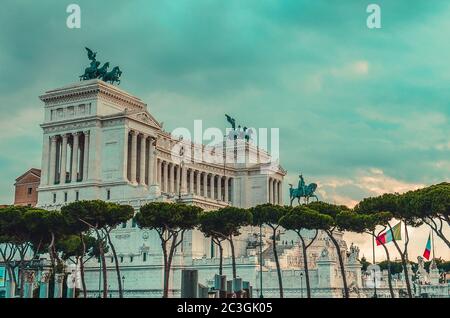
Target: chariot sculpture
column 302, row 191
column 93, row 71
column 239, row 132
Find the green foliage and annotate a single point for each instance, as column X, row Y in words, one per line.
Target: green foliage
column 79, row 214
column 387, row 202
column 233, row 219
column 396, row 266
column 72, row 246
column 302, row 217
column 13, row 228
column 210, row 224
column 327, row 208
column 432, row 201
column 268, row 214
column 162, row 216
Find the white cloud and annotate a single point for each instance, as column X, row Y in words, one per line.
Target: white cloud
column 371, row 182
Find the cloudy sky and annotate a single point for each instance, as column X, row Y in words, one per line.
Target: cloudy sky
column 360, row 111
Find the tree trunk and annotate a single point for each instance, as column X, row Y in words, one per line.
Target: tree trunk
column 391, row 289
column 341, row 263
column 104, row 271
column 436, row 229
column 116, row 261
column 165, row 271
column 404, row 259
column 83, row 282
column 305, row 264
column 220, row 258
column 233, row 257
column 277, row 262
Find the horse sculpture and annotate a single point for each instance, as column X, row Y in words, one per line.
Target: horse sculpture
column 93, row 71
column 113, row 76
column 303, row 191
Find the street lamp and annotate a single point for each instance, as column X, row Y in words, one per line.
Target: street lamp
column 301, row 284
column 123, row 284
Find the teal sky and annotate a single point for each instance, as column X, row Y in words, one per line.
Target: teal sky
column 360, row 111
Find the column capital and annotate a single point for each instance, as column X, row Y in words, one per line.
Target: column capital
column 133, row 132
column 86, row 132
column 53, row 138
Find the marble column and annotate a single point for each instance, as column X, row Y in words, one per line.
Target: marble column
column 62, row 178
column 151, row 161
column 52, row 160
column 275, row 188
column 177, row 180
column 58, row 289
column 86, row 156
column 197, row 192
column 225, row 189
column 172, row 178
column 166, row 177
column 29, row 284
column 133, row 157
column 74, row 174
column 158, row 172
column 142, row 161
column 46, row 143
column 183, row 179
column 213, row 181
column 191, row 181
column 43, row 284
column 10, row 288
column 269, row 185
column 280, row 195
column 274, row 201
column 205, row 184
column 219, row 188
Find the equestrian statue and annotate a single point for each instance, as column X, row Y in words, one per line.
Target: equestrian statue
column 93, row 71
column 303, row 191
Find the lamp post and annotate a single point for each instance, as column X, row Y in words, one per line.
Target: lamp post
column 123, row 284
column 301, row 284
column 374, row 284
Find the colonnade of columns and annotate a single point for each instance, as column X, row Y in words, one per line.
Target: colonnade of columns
column 275, row 191
column 140, row 160
column 175, row 179
column 68, row 156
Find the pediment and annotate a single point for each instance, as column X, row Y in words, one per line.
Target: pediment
column 146, row 118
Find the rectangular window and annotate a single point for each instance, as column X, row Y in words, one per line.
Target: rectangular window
column 108, row 194
column 124, row 225
column 77, row 195
column 65, row 196
column 144, row 257
column 30, row 191
column 133, row 222
column 131, row 259
column 121, row 259
column 54, row 197
column 112, row 259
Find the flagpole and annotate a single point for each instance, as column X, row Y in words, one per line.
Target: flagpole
column 373, row 250
column 432, row 242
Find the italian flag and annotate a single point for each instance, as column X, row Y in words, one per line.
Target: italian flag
column 389, row 235
column 427, row 252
